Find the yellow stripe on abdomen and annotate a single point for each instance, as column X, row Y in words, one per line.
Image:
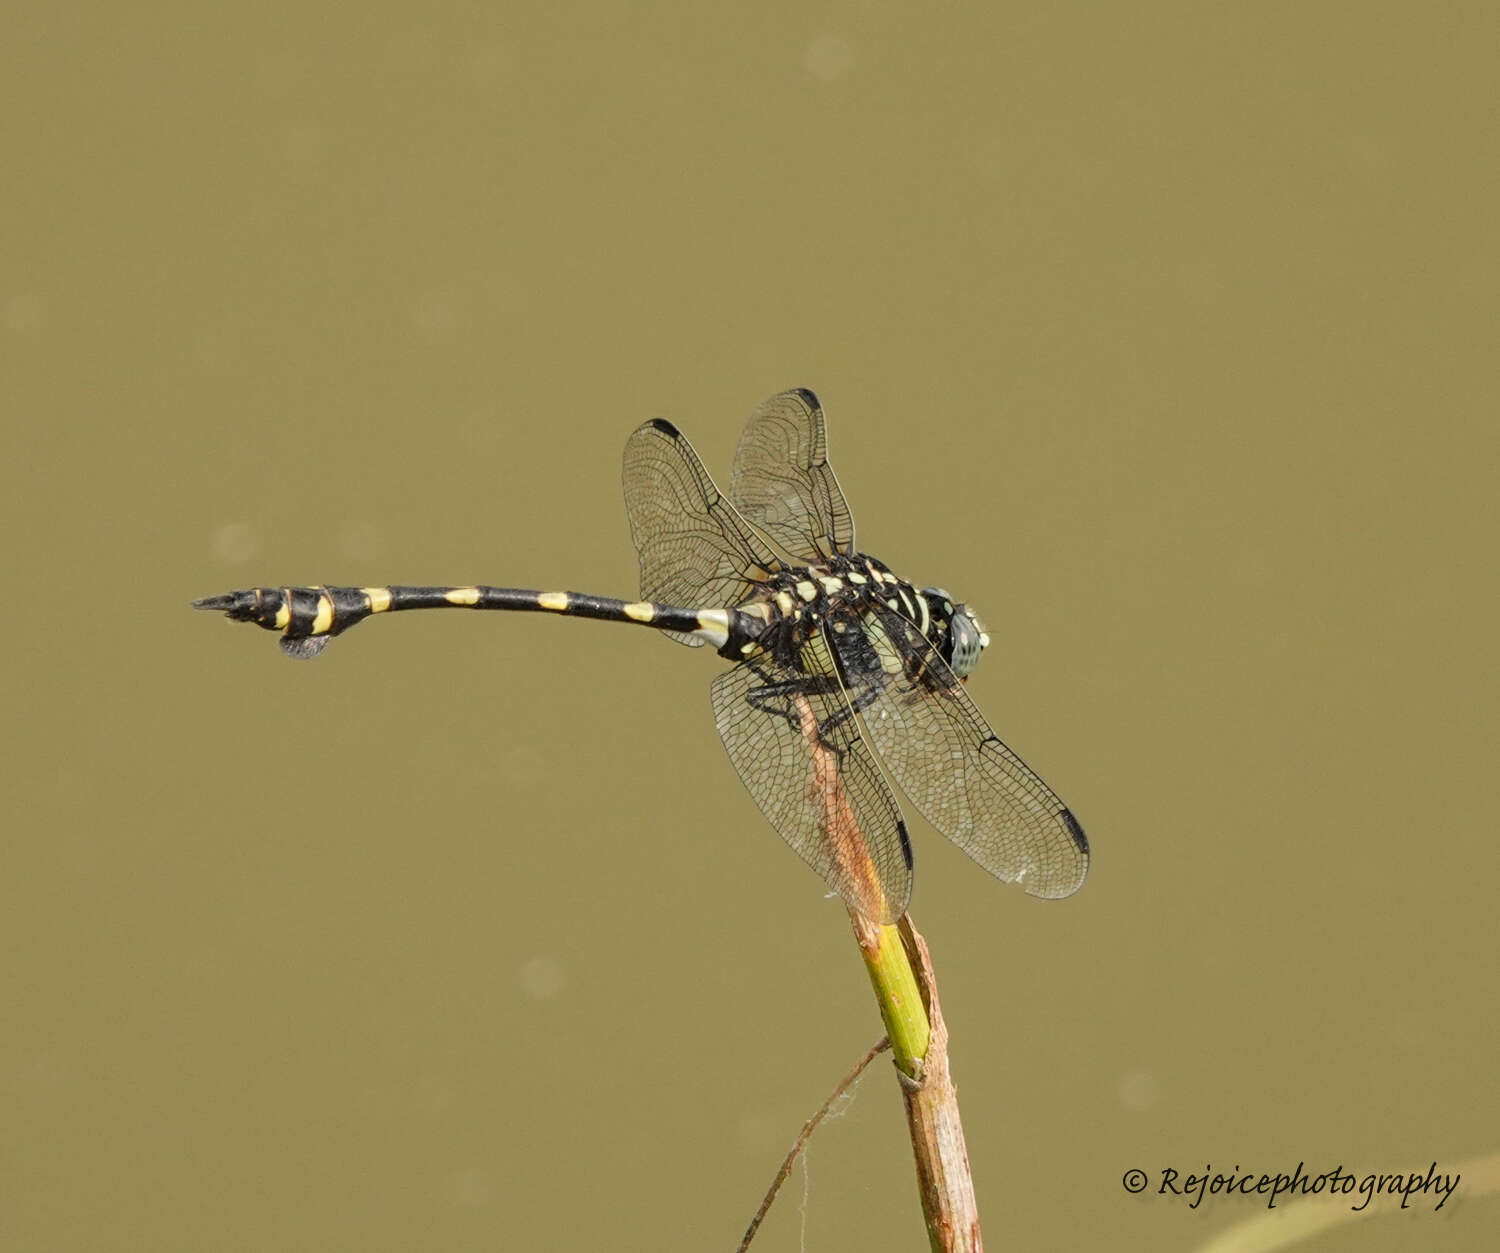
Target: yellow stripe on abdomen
column 323, row 619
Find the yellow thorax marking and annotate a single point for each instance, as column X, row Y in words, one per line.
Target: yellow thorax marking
column 889, row 661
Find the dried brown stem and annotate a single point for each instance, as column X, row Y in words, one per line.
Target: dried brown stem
column 804, row 1135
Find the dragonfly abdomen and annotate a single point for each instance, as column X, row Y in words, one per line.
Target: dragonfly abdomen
column 307, row 617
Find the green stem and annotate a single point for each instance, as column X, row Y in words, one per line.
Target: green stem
column 896, row 992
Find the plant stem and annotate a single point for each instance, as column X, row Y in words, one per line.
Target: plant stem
column 913, row 1018
column 803, row 1136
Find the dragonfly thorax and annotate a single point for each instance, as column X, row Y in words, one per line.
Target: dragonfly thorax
column 837, row 594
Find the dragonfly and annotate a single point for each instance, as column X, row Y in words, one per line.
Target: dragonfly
column 844, row 679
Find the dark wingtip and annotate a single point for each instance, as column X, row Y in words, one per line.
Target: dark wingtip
column 665, row 427
column 905, row 842
column 809, row 397
column 1075, row 829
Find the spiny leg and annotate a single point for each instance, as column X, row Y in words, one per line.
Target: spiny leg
column 778, row 699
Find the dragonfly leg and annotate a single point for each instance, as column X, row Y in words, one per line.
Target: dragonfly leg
column 777, row 697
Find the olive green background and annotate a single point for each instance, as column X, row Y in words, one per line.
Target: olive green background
column 1165, row 335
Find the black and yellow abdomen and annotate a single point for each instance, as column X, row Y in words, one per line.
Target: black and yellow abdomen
column 308, row 617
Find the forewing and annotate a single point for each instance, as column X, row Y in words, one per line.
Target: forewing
column 801, row 757
column 941, row 752
column 695, row 549
column 783, row 483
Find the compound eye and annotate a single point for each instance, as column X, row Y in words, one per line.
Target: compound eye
column 966, row 641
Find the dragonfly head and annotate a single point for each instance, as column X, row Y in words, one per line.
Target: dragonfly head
column 960, row 636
